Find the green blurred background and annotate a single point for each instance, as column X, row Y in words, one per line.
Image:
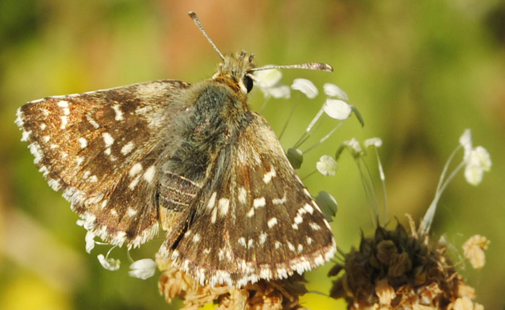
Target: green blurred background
column 420, row 73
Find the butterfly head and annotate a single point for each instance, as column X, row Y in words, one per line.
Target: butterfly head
column 235, row 70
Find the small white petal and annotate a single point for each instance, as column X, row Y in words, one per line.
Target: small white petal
column 332, row 90
column 355, row 147
column 477, row 161
column 90, row 241
column 337, row 109
column 466, row 141
column 327, row 165
column 267, row 78
column 474, row 173
column 483, row 157
column 375, row 142
column 109, row 263
column 142, row 269
column 306, row 87
column 278, row 92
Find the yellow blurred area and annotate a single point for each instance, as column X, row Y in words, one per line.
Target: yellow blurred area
column 419, row 72
column 29, row 292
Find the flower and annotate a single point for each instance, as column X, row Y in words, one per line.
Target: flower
column 269, row 83
column 327, row 165
column 306, row 87
column 332, row 90
column 474, row 250
column 393, row 269
column 109, row 263
column 354, row 146
column 373, row 142
column 267, row 78
column 477, row 160
column 336, row 105
column 90, row 241
column 337, row 109
column 142, row 269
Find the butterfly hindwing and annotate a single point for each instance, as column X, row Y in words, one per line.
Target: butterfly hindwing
column 254, row 220
column 101, row 149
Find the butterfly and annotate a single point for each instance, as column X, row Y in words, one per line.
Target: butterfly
column 191, row 159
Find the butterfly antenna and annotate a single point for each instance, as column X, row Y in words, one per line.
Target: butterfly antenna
column 199, row 24
column 309, row 66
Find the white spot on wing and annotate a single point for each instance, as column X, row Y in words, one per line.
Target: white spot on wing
column 64, row 122
column 263, row 238
column 291, row 247
column 80, row 160
column 314, row 226
column 92, row 122
column 251, row 212
column 241, row 241
column 196, row 238
column 242, row 195
column 83, row 142
column 149, row 174
column 307, row 207
column 134, row 182
column 259, row 202
column 213, row 216
column 131, row 212
column 279, row 201
column 223, row 205
column 119, row 113
column 212, row 200
column 107, row 138
column 269, row 175
column 271, row 222
column 127, row 148
column 63, row 104
column 135, row 169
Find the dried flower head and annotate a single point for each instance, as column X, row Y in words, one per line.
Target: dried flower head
column 279, row 294
column 395, row 270
column 474, row 250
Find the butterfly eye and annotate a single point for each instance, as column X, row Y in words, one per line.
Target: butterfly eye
column 248, row 83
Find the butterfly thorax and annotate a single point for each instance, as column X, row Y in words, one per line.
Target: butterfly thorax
column 219, row 114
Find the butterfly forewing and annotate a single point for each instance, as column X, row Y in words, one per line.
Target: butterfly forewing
column 101, row 149
column 253, row 220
